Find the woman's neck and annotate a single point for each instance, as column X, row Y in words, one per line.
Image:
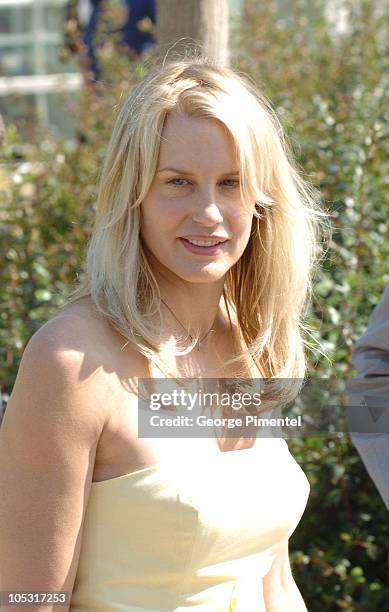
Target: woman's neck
column 192, row 311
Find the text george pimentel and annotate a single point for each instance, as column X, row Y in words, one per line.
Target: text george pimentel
column 202, row 420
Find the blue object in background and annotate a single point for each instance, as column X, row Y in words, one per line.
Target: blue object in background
column 131, row 36
column 87, row 35
column 134, row 38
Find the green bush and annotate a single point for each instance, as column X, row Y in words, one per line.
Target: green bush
column 328, row 88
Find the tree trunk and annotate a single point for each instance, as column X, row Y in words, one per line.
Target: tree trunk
column 203, row 22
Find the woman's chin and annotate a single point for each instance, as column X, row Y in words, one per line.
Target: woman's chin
column 210, row 272
column 202, row 276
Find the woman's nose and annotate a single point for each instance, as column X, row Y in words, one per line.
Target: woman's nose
column 207, row 213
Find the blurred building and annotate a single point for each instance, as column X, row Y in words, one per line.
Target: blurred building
column 34, row 73
column 36, row 76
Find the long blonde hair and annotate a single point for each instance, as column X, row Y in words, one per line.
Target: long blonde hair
column 267, row 289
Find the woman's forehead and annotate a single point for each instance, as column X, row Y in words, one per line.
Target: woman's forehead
column 188, row 138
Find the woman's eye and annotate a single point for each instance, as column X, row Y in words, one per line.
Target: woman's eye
column 181, row 182
column 177, row 182
column 234, row 181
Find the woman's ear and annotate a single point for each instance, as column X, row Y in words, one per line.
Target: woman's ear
column 260, row 211
column 255, row 223
column 258, row 207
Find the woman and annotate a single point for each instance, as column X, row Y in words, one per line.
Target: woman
column 198, row 266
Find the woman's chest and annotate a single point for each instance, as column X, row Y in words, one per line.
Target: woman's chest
column 224, row 506
column 125, row 446
column 196, row 530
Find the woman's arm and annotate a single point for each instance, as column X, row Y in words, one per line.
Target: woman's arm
column 48, row 442
column 280, row 591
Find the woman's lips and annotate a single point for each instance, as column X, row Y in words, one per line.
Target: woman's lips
column 203, row 250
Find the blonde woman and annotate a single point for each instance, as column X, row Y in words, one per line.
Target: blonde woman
column 198, row 266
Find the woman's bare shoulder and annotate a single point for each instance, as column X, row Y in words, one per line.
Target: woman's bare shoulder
column 79, row 327
column 78, row 349
column 78, row 316
column 66, row 353
column 81, row 331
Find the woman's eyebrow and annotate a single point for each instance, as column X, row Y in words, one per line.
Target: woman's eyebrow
column 182, row 171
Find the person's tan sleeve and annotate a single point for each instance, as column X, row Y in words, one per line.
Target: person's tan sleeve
column 368, row 396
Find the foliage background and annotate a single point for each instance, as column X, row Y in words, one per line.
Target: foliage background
column 328, row 88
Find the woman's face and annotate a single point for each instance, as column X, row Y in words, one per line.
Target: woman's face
column 195, row 198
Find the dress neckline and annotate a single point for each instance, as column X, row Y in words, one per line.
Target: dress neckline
column 157, row 466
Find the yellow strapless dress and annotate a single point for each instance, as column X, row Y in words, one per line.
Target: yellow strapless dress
column 189, row 535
